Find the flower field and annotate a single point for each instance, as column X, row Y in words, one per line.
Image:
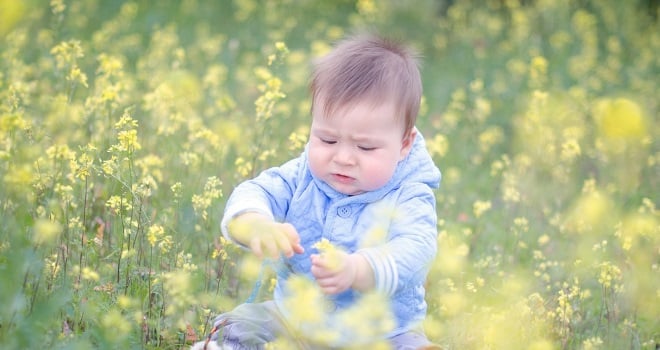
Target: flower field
column 124, row 126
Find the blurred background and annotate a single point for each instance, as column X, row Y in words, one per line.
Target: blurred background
column 124, row 125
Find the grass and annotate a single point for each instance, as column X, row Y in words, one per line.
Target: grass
column 124, row 125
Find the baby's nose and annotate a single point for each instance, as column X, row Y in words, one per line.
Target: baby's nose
column 344, row 156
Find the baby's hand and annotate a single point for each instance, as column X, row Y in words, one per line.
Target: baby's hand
column 265, row 237
column 334, row 271
column 332, row 268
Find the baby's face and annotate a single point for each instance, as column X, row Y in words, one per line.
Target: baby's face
column 357, row 149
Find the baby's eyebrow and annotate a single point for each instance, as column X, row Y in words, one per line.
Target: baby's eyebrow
column 322, row 131
column 365, row 138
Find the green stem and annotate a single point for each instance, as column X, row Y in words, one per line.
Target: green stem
column 82, row 232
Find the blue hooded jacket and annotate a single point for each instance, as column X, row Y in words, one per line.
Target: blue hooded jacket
column 394, row 227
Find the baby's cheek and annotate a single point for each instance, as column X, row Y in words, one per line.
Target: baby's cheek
column 313, row 158
column 378, row 174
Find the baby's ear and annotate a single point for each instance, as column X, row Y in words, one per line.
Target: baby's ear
column 407, row 143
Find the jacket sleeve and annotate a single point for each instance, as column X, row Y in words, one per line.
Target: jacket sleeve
column 404, row 259
column 269, row 193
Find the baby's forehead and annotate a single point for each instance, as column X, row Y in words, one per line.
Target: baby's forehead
column 327, row 106
column 384, row 111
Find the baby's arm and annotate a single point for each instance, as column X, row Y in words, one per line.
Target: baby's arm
column 254, row 208
column 411, row 246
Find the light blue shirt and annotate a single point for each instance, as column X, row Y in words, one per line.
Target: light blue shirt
column 394, row 227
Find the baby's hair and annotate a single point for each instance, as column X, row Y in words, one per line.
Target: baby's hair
column 366, row 67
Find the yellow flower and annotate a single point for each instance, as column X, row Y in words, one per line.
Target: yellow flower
column 324, row 246
column 282, row 51
column 521, row 224
column 366, row 8
column 89, row 274
column 66, row 53
column 184, row 86
column 306, row 302
column 590, row 211
column 126, row 121
column 117, row 203
column 212, row 191
column 176, row 190
column 11, row 12
column 509, row 191
column 541, row 344
column 438, row 146
column 620, row 118
column 320, row 48
column 19, row 176
column 452, row 303
column 330, row 252
column 490, row 137
column 635, row 227
column 57, row 6
column 109, row 65
column 115, row 324
column 298, row 138
column 538, row 71
column 243, row 167
column 592, row 343
column 76, row 75
column 609, row 274
column 154, row 233
column 454, row 258
column 60, row 152
column 367, row 319
column 480, row 207
column 165, row 244
column 128, row 141
column 184, row 261
column 177, row 284
column 81, row 165
column 46, row 231
column 250, row 267
column 229, row 131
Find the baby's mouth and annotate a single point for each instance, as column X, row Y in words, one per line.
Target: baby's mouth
column 342, row 178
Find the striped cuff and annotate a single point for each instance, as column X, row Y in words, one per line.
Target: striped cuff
column 386, row 274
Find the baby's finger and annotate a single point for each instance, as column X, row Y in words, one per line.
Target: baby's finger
column 270, row 248
column 327, row 285
column 320, row 272
column 255, row 247
column 283, row 244
column 298, row 248
column 320, row 261
column 293, row 238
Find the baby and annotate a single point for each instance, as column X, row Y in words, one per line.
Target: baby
column 365, row 169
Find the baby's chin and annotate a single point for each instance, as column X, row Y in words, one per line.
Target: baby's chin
column 348, row 193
